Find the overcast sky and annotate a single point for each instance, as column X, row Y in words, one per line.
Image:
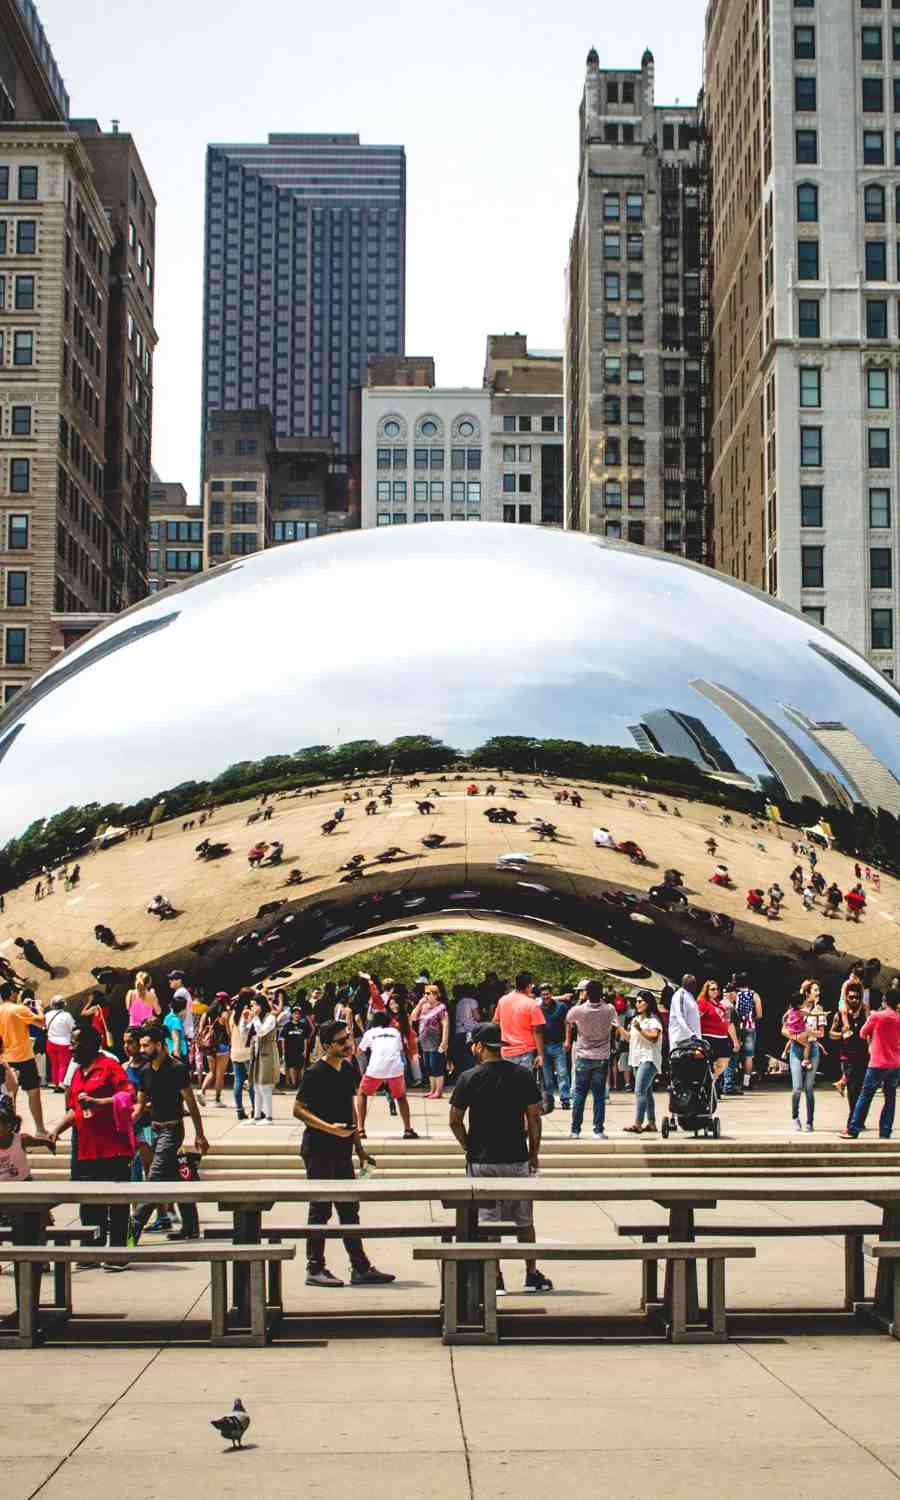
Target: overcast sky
column 484, row 100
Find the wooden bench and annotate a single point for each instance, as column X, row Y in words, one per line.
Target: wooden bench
column 679, row 1257
column 62, row 1269
column 887, row 1255
column 853, row 1235
column 29, row 1259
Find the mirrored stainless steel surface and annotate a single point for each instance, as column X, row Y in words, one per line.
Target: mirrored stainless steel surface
column 413, row 651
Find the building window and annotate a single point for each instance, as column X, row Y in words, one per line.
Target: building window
column 810, row 386
column 873, row 200
column 812, row 567
column 20, row 476
column 23, row 348
column 881, row 574
column 612, row 289
column 882, row 630
column 509, row 424
column 612, row 494
column 243, row 542
column 613, row 530
column 877, row 389
column 811, row 505
column 879, row 448
column 20, row 421
column 636, row 411
column 872, row 49
column 612, row 411
column 636, row 451
column 16, row 588
column 243, row 512
column 876, row 320
column 16, row 640
column 399, row 491
column 807, row 260
column 28, row 184
column 18, row 529
column 216, row 544
column 807, row 151
column 509, row 484
column 612, row 245
column 876, row 260
column 612, row 328
column 634, row 208
column 805, row 42
column 24, row 294
column 26, row 237
column 524, row 484
column 636, row 532
column 183, row 562
column 611, row 207
column 811, row 447
column 873, row 96
column 808, row 203
column 524, row 426
column 805, row 95
column 879, row 508
column 814, row 612
column 524, row 453
column 636, row 494
column 873, row 148
column 612, row 452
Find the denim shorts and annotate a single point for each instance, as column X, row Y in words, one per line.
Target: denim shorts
column 435, row 1064
column 519, row 1211
column 748, row 1044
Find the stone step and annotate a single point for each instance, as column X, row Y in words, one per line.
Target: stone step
column 551, row 1145
column 575, row 1167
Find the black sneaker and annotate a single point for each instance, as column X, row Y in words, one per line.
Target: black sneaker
column 322, row 1277
column 181, row 1234
column 536, row 1281
column 370, row 1277
column 118, row 1265
column 564, row 1104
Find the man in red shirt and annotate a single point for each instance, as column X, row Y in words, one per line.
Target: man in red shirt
column 521, row 1021
column 882, row 1031
column 99, row 1104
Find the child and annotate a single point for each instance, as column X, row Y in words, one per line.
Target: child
column 143, row 1135
column 13, row 1161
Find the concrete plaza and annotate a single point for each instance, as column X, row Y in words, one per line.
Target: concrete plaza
column 795, row 1411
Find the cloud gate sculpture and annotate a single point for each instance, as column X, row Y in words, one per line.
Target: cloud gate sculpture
column 398, row 716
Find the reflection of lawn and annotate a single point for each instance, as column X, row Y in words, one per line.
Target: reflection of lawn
column 460, row 958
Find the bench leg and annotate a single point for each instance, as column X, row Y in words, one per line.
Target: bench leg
column 649, row 1274
column 276, row 1298
column 28, row 1294
column 854, row 1271
column 450, row 1280
column 62, row 1286
column 715, row 1299
column 219, row 1294
column 676, row 1274
column 258, row 1320
column 491, row 1268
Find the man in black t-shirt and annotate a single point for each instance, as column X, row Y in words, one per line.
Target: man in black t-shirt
column 165, row 1089
column 503, row 1135
column 326, row 1104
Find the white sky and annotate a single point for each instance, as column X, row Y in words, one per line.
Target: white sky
column 485, row 102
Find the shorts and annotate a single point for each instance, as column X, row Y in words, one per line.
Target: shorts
column 720, row 1046
column 143, row 1135
column 397, row 1086
column 518, row 1211
column 748, row 1044
column 435, row 1064
column 27, row 1074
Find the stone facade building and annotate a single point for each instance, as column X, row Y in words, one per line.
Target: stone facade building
column 526, row 459
column 635, row 319
column 800, row 113
column 176, row 536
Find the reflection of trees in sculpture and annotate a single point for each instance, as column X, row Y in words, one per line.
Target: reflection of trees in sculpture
column 873, row 836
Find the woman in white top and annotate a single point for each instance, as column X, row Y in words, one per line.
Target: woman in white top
column 645, row 1058
column 60, row 1024
column 264, row 1061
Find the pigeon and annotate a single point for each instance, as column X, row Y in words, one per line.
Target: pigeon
column 235, row 1426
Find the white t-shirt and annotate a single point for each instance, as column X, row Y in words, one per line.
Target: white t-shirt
column 640, row 1048
column 384, row 1046
column 60, row 1025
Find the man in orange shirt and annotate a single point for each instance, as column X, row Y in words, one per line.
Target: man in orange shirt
column 521, row 1021
column 18, row 1051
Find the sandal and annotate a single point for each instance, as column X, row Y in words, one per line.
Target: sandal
column 651, row 1129
column 633, row 1129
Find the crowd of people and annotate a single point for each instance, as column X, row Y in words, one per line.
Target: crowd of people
column 133, row 1072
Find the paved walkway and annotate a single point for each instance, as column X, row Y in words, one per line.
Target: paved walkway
column 785, row 1416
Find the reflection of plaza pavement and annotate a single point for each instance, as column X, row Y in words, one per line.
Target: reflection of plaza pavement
column 117, row 884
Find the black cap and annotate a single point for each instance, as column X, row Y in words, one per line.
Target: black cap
column 488, row 1033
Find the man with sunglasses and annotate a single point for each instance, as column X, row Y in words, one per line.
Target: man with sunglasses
column 326, row 1104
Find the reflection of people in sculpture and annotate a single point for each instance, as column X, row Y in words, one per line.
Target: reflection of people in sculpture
column 387, row 855
column 295, row 878
column 106, row 936
column 329, row 826
column 433, row 840
column 255, row 855
column 353, row 863
column 160, row 907
column 371, row 807
column 603, row 839
column 425, row 808
column 275, row 854
column 576, row 799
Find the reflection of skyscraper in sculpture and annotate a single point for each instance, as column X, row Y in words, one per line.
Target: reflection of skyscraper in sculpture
column 878, row 687
column 671, row 732
column 869, row 780
column 785, row 759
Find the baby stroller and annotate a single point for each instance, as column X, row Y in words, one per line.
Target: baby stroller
column 692, row 1090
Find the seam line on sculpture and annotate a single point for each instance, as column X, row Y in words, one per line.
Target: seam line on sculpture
column 113, row 1404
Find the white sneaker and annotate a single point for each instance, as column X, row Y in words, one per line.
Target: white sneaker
column 795, row 1125
column 807, row 1126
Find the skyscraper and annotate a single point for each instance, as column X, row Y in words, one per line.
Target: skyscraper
column 869, row 780
column 635, row 318
column 799, row 109
column 788, row 763
column 305, row 277
column 671, row 732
